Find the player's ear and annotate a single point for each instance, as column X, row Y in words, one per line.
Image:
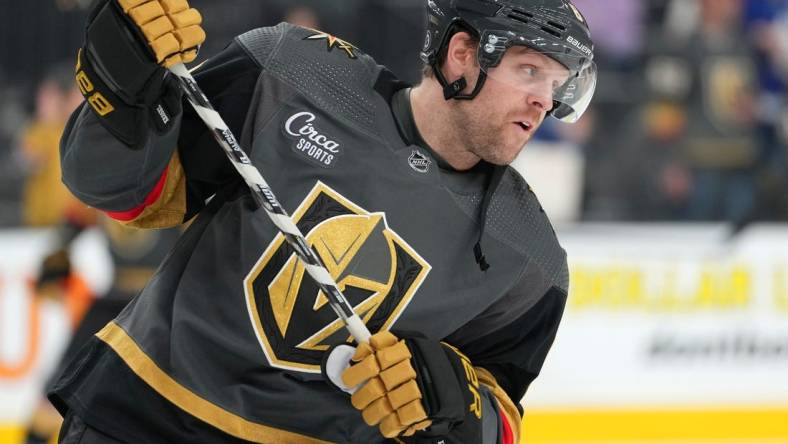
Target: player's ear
column 460, row 57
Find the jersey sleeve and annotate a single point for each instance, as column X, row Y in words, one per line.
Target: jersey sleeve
column 510, row 356
column 168, row 179
column 514, row 354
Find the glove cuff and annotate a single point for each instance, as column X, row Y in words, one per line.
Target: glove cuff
column 119, row 55
column 449, row 402
column 128, row 92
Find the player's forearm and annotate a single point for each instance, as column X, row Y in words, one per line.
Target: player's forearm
column 118, row 150
column 104, row 172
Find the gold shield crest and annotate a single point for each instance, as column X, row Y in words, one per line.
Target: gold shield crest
column 377, row 271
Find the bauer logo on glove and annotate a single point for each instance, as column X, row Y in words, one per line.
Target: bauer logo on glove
column 121, row 67
column 97, row 101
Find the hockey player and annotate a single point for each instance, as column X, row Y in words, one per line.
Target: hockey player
column 134, row 255
column 405, row 194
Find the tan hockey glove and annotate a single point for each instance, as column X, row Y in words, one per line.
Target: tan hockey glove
column 171, row 28
column 390, row 397
column 413, row 386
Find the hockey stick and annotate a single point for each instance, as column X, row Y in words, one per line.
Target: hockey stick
column 264, row 197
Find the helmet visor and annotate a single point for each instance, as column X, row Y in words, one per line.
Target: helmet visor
column 564, row 91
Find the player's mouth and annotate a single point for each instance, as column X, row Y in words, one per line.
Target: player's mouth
column 525, row 125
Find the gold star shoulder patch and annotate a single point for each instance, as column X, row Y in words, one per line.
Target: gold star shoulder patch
column 335, row 42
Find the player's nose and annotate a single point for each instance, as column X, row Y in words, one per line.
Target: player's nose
column 541, row 99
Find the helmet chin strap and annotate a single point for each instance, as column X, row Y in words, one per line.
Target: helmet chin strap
column 452, row 90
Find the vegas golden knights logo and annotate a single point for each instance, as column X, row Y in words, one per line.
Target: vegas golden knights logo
column 377, row 271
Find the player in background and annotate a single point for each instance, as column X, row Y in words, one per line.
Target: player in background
column 135, row 255
column 404, row 192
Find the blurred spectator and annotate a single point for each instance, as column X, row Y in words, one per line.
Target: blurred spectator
column 618, row 29
column 658, row 184
column 721, row 145
column 767, row 25
column 57, row 281
column 715, row 150
column 302, row 16
column 680, row 20
column 45, row 197
column 706, row 76
column 135, row 255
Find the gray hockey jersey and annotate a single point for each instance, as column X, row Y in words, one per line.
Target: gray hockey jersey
column 225, row 342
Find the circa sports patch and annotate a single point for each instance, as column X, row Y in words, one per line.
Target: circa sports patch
column 311, row 141
column 377, row 270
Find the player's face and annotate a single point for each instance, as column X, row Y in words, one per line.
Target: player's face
column 511, row 106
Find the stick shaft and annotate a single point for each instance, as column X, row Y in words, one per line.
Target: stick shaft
column 265, row 197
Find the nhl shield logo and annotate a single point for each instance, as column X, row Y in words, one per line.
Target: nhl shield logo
column 377, row 271
column 419, row 162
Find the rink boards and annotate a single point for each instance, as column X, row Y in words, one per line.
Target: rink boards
column 672, row 333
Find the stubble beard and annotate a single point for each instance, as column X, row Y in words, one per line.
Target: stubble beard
column 479, row 136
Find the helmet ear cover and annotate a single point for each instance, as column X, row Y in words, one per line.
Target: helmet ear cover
column 454, row 89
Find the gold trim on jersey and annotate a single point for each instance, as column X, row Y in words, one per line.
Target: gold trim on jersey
column 335, row 42
column 337, row 240
column 170, row 208
column 144, row 367
column 505, row 405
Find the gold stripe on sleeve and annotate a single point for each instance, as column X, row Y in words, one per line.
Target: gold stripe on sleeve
column 170, row 208
column 505, row 404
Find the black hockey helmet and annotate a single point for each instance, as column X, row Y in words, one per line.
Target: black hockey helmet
column 552, row 27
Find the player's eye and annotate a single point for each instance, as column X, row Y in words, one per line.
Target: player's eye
column 529, row 70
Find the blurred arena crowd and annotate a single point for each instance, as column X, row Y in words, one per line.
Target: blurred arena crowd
column 690, row 121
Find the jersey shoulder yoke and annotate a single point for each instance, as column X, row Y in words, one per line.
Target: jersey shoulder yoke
column 516, row 218
column 329, row 71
